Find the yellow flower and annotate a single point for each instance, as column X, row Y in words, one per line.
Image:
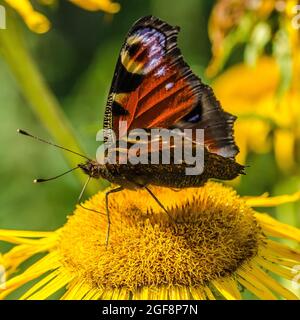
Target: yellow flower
column 219, row 245
column 266, row 95
column 35, row 21
column 251, row 94
column 230, row 16
column 38, row 23
column 95, row 5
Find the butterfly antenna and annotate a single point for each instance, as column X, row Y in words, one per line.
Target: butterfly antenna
column 53, row 178
column 25, row 133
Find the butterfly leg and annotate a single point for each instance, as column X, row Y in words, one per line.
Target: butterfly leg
column 107, row 211
column 81, row 195
column 159, row 203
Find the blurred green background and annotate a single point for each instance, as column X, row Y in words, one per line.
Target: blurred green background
column 77, row 58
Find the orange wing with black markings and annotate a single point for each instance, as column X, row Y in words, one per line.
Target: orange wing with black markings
column 154, row 88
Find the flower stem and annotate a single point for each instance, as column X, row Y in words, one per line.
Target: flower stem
column 39, row 96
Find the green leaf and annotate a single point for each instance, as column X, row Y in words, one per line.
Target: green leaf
column 259, row 38
column 283, row 55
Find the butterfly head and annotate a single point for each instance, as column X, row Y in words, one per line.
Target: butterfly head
column 93, row 169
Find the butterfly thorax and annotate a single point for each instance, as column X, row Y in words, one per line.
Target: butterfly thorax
column 110, row 172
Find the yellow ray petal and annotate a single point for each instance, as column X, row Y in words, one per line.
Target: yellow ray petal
column 25, row 234
column 140, row 294
column 94, row 294
column 23, row 278
column 283, row 262
column 253, row 285
column 228, row 288
column 174, row 293
column 5, row 293
column 76, row 290
column 18, row 255
column 107, row 294
column 153, row 293
column 273, row 267
column 17, row 240
column 197, row 293
column 247, row 273
column 40, row 284
column 60, row 281
column 184, row 293
column 163, row 293
column 273, row 256
column 209, row 293
column 49, row 262
column 283, row 251
column 259, row 293
column 120, row 294
column 264, row 201
column 273, row 284
column 276, row 228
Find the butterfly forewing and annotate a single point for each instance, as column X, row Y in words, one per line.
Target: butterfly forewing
column 154, row 88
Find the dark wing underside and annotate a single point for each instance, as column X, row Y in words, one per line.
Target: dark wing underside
column 154, row 88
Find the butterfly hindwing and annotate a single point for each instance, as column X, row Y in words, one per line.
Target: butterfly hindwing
column 154, row 88
column 209, row 115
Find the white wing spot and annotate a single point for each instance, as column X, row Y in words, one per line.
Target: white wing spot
column 169, row 85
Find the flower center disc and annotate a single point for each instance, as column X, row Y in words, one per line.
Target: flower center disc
column 214, row 233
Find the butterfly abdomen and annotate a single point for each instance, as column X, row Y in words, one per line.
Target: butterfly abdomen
column 165, row 175
column 218, row 167
column 173, row 175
